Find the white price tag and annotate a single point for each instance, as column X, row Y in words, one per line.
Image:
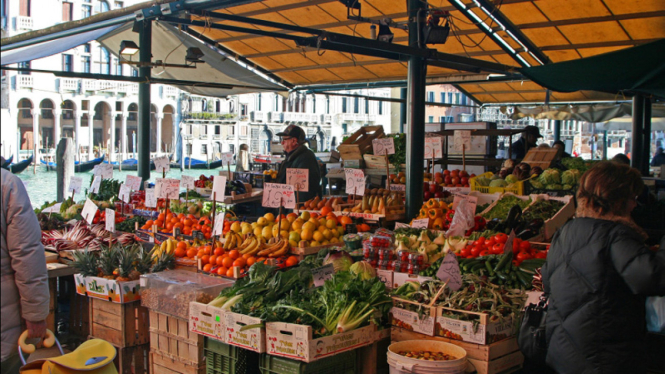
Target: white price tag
column 355, row 181
column 298, row 178
column 105, row 171
column 89, row 211
column 75, row 184
column 133, row 182
column 162, row 164
column 276, row 195
column 420, row 223
column 53, row 209
column 398, row 187
column 461, row 139
column 227, row 158
column 472, row 200
column 167, row 188
column 150, row 198
column 218, row 188
column 383, row 146
column 96, row 182
column 187, row 182
column 125, row 193
column 109, row 215
column 400, row 225
column 433, row 147
column 219, row 225
column 449, row 272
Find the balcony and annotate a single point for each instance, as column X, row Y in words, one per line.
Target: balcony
column 24, row 81
column 68, row 85
column 257, row 116
column 276, row 117
column 170, row 91
column 203, row 136
column 24, row 23
column 107, row 86
column 357, row 117
column 326, row 118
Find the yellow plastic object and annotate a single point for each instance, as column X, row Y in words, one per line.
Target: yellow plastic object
column 30, row 348
column 517, row 188
column 94, row 356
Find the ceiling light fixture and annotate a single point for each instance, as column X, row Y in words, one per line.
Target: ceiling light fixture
column 128, row 47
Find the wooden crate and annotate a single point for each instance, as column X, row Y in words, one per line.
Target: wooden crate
column 360, row 142
column 501, row 357
column 53, row 303
column 542, row 157
column 79, row 315
column 171, row 337
column 163, row 364
column 373, row 359
column 133, row 360
column 123, row 325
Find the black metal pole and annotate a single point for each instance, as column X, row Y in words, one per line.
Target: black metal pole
column 557, row 130
column 402, row 109
column 646, row 137
column 145, row 55
column 636, row 136
column 415, row 146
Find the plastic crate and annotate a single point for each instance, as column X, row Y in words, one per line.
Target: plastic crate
column 530, row 189
column 516, row 188
column 343, row 363
column 227, row 359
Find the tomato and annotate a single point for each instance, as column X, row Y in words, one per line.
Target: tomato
column 525, row 245
column 465, row 252
column 540, row 254
column 490, row 242
column 484, row 252
column 497, row 249
column 475, row 250
column 523, row 256
column 500, row 238
column 481, row 241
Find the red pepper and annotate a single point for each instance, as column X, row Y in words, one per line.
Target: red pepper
column 450, row 214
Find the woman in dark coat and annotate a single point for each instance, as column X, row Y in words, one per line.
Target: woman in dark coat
column 598, row 274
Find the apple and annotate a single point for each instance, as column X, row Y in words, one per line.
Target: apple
column 448, row 179
column 454, row 173
column 458, row 185
column 438, row 175
column 466, row 185
column 446, row 172
column 464, row 180
column 438, row 195
column 426, row 195
column 455, row 180
column 472, row 176
column 438, row 180
column 425, row 187
column 433, row 187
column 463, row 173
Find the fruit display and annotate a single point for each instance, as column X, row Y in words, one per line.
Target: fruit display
column 122, row 262
column 450, row 178
column 271, row 173
column 166, row 222
column 236, row 186
column 379, row 201
column 399, row 178
column 440, row 215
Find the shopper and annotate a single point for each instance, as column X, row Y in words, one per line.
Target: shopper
column 527, row 140
column 24, row 285
column 658, row 158
column 621, row 158
column 598, row 274
column 562, row 149
column 298, row 156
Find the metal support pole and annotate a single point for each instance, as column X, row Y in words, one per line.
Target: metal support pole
column 415, row 149
column 604, row 145
column 557, row 130
column 636, row 151
column 402, row 109
column 145, row 55
column 646, row 137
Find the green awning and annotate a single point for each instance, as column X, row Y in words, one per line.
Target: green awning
column 634, row 70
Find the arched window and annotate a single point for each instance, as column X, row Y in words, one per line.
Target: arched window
column 104, row 61
column 103, row 6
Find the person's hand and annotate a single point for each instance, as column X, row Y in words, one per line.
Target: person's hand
column 36, row 330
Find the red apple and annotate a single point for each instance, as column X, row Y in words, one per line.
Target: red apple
column 438, row 179
column 438, row 195
column 426, row 195
column 464, row 180
column 455, row 180
column 458, row 185
column 463, row 173
column 432, row 187
column 454, row 173
column 438, row 175
column 425, row 187
column 466, row 185
column 446, row 172
column 472, row 176
column 448, row 179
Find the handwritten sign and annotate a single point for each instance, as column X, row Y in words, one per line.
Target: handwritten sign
column 508, row 247
column 125, row 193
column 433, row 147
column 162, row 164
column 449, row 272
column 461, row 139
column 133, row 182
column 383, row 146
column 298, row 178
column 110, row 219
column 167, row 188
column 218, row 188
column 401, row 225
column 398, row 187
column 187, row 182
column 227, row 158
column 276, row 195
column 105, row 171
column 96, row 182
column 355, row 181
column 219, row 224
column 322, row 274
column 472, row 200
column 150, row 198
column 89, row 211
column 53, row 209
column 420, row 223
column 75, row 184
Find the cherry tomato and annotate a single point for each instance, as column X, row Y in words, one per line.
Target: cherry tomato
column 497, row 249
column 465, row 252
column 475, row 250
column 500, row 238
column 525, row 245
column 523, row 256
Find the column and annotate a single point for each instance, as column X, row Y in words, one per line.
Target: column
column 123, row 135
column 112, row 146
column 91, row 128
column 158, row 122
column 175, row 120
column 77, row 134
column 57, row 113
column 145, row 43
column 35, row 134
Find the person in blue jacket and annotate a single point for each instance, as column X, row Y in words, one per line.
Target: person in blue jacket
column 298, row 156
column 527, row 141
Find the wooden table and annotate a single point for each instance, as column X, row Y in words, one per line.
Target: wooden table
column 78, row 312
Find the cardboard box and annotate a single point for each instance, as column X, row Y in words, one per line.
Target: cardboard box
column 111, row 290
column 252, row 339
column 207, row 320
column 479, row 331
column 296, row 341
column 401, row 278
column 386, row 277
column 414, row 321
column 81, row 287
column 560, row 218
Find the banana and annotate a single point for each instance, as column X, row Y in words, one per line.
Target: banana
column 170, row 247
column 163, row 246
column 254, row 243
column 273, row 248
column 233, row 241
column 227, row 239
column 281, row 252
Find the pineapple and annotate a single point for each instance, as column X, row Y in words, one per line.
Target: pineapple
column 108, row 262
column 143, row 264
column 164, row 261
column 127, row 257
column 85, row 262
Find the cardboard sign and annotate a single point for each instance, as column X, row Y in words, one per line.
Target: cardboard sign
column 167, row 188
column 420, row 223
column 133, row 182
column 187, row 182
column 219, row 224
column 462, row 140
column 89, row 211
column 383, row 146
column 472, row 200
column 400, row 225
column 218, row 188
column 227, row 158
column 125, row 193
column 105, row 171
column 110, row 219
column 53, row 209
column 96, row 182
column 449, row 272
column 508, row 247
column 355, row 181
column 298, row 178
column 150, row 198
column 75, row 184
column 322, row 274
column 162, row 164
column 398, row 187
column 276, row 195
column 433, row 147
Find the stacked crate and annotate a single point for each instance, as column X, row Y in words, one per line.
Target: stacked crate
column 174, row 349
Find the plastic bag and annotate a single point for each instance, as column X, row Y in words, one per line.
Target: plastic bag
column 463, row 219
column 655, row 309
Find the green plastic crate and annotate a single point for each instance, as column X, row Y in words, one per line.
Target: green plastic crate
column 343, row 363
column 227, row 359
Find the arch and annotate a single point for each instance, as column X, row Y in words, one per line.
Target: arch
column 46, row 124
column 67, row 123
column 104, row 6
column 24, row 123
column 321, row 140
column 100, row 125
column 168, row 128
column 265, row 140
column 104, row 58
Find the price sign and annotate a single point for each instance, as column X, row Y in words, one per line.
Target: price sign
column 89, row 211
column 276, row 195
column 472, row 200
column 53, row 209
column 75, row 184
column 401, row 225
column 398, row 187
column 433, row 147
column 167, row 188
column 162, row 164
column 383, row 146
column 187, row 182
column 508, row 247
column 449, row 272
column 227, row 158
column 150, row 198
column 219, row 225
column 420, row 223
column 105, row 171
column 125, row 193
column 96, row 182
column 110, row 219
column 133, row 182
column 355, row 181
column 461, row 139
column 322, row 274
column 298, row 178
column 218, row 187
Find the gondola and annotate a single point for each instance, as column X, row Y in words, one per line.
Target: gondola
column 131, row 164
column 79, row 167
column 21, row 165
column 7, row 162
column 198, row 164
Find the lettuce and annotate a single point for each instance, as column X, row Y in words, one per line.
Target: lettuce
column 550, row 176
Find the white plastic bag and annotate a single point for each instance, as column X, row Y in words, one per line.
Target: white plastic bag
column 463, row 219
column 655, row 309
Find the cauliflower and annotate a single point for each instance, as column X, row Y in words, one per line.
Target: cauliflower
column 570, row 176
column 510, row 179
column 550, row 176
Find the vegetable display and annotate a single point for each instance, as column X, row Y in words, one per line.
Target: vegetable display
column 108, row 189
column 503, row 206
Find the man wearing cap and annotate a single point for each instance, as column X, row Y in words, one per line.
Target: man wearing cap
column 528, row 140
column 298, row 156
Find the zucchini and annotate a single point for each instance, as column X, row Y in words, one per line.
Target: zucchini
column 507, row 257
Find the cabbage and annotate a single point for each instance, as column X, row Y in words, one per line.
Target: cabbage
column 554, row 187
column 498, row 183
column 567, row 187
column 340, row 260
column 483, row 181
column 550, row 176
column 511, row 179
column 570, row 176
column 536, row 184
column 364, row 270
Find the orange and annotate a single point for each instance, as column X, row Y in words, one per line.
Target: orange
column 205, row 259
column 180, row 216
column 179, row 252
column 222, row 271
column 207, row 268
column 220, row 260
column 292, row 261
column 234, row 254
column 246, row 256
column 229, row 273
column 191, row 253
column 240, row 262
column 345, row 220
column 212, row 260
column 251, row 261
column 174, row 220
column 182, row 245
column 200, row 253
column 207, row 250
column 160, row 217
column 159, row 223
column 218, row 251
column 187, row 222
column 261, row 259
column 332, row 216
column 149, row 223
column 187, row 231
column 228, row 262
column 178, row 225
column 325, row 210
column 207, row 235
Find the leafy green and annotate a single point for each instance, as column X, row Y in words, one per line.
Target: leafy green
column 108, row 188
column 399, row 157
column 500, row 210
column 129, row 224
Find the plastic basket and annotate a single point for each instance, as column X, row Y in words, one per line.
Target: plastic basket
column 342, row 363
column 530, row 189
column 517, row 188
column 227, row 359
